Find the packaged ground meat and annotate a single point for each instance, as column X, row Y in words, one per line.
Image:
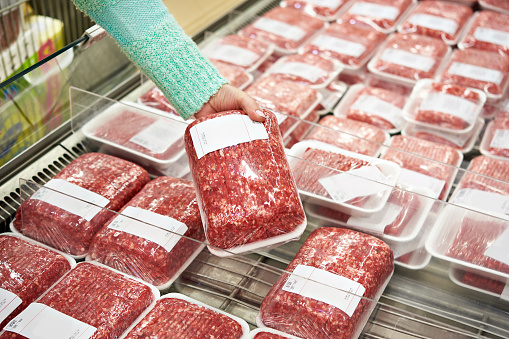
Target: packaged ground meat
column 488, row 31
column 26, row 271
column 351, row 135
column 444, row 106
column 269, row 333
column 245, row 189
column 156, row 99
column 291, row 98
column 487, row 71
column 239, row 51
column 302, row 129
column 287, row 28
column 186, row 318
column 437, row 19
column 352, row 77
column 151, row 249
column 483, row 283
column 424, row 164
column 407, row 58
column 236, row 76
column 308, row 69
column 495, row 5
column 495, row 141
column 327, row 10
column 351, row 43
column 383, row 15
column 91, row 299
column 376, row 106
column 309, row 301
column 101, row 182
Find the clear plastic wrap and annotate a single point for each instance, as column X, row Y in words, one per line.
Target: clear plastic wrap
column 407, row 58
column 376, row 106
column 495, row 5
column 129, row 246
column 269, row 333
column 245, row 189
column 359, row 258
column 236, row 76
column 488, row 31
column 103, row 299
column 287, row 28
column 476, row 282
column 327, row 10
column 283, row 96
column 308, row 69
column 495, row 140
column 424, row 157
column 155, row 98
column 351, row 135
column 351, row 43
column 239, row 51
column 437, row 19
column 27, row 270
column 487, row 71
column 186, row 318
column 444, row 106
column 302, row 129
column 109, row 182
column 383, row 15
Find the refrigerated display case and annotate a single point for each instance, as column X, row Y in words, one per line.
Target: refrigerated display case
column 427, row 296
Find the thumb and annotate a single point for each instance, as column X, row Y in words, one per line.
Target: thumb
column 250, row 106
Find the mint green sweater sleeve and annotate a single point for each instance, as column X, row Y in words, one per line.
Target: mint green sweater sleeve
column 152, row 39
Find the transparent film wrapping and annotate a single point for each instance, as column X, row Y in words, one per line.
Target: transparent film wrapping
column 236, row 76
column 487, row 31
column 496, row 137
column 326, row 10
column 155, row 98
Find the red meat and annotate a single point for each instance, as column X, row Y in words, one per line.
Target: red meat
column 483, row 283
column 500, row 123
column 489, row 75
column 424, row 135
column 302, row 27
column 315, row 7
column 438, row 10
column 184, row 320
column 486, row 25
column 28, row 270
column 302, row 129
column 268, row 335
column 378, row 18
column 115, row 179
column 500, row 4
column 156, row 99
column 255, row 46
column 326, row 68
column 355, row 256
column 375, row 81
column 145, row 259
column 487, row 174
column 99, row 297
column 236, row 76
column 246, row 191
column 349, row 134
column 431, row 50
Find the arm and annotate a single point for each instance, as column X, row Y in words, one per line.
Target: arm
column 153, row 40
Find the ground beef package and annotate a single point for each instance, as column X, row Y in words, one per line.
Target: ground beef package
column 325, row 10
column 287, row 28
column 186, row 318
column 351, row 135
column 69, row 224
column 156, row 99
column 437, row 19
column 488, row 31
column 92, row 294
column 496, row 138
column 245, row 189
column 236, row 76
column 334, row 260
column 152, row 254
column 26, row 270
column 349, row 43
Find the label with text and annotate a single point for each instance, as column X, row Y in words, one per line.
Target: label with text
column 160, row 135
column 492, row 36
column 500, row 139
column 451, row 104
column 482, row 201
column 374, row 10
column 408, row 59
column 340, row 46
column 437, row 23
column 375, row 106
column 280, row 28
column 8, row 303
column 476, row 72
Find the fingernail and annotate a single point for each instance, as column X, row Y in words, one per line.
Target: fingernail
column 260, row 113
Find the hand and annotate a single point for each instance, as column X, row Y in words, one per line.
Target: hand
column 229, row 98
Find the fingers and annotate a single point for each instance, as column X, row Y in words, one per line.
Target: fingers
column 250, row 106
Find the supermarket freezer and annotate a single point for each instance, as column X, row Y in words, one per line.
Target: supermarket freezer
column 418, row 303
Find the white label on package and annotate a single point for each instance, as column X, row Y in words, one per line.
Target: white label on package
column 360, row 182
column 327, row 287
column 309, row 72
column 375, row 106
column 39, row 321
column 232, row 54
column 407, row 59
column 482, row 201
column 435, row 22
column 340, row 46
column 450, row 104
column 374, row 10
column 498, row 250
column 331, row 4
column 75, row 199
column 8, row 303
column 159, row 136
column 412, row 179
column 476, row 72
column 280, row 28
column 459, row 140
column 229, row 130
column 492, row 36
column 377, row 221
column 500, row 139
column 166, row 236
